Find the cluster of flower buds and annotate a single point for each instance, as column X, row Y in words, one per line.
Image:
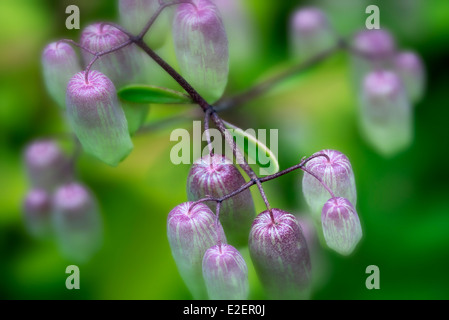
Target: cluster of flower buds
column 205, row 252
column 334, row 207
column 389, row 82
column 57, row 206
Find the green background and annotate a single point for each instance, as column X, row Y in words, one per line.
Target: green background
column 402, row 200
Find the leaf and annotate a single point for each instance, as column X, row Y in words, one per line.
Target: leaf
column 152, row 94
column 257, row 152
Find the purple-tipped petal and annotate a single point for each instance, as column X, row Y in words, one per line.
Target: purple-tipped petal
column 225, row 273
column 216, row 177
column 121, row 66
column 201, row 47
column 336, row 173
column 37, row 213
column 46, row 165
column 280, row 255
column 191, row 230
column 135, row 14
column 410, row 69
column 341, row 225
column 77, row 222
column 310, row 32
column 60, row 63
column 385, row 113
column 97, row 118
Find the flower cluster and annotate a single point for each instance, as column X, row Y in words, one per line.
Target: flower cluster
column 56, row 206
column 207, row 232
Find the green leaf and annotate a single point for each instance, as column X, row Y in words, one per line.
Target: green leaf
column 152, row 94
column 257, row 152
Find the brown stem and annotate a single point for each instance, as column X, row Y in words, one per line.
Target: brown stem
column 261, row 88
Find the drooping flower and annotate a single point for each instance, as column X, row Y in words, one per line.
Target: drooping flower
column 385, row 113
column 225, row 273
column 191, row 230
column 341, row 225
column 77, row 222
column 46, row 165
column 310, row 33
column 280, row 255
column 121, row 66
column 97, row 118
column 59, row 64
column 201, row 47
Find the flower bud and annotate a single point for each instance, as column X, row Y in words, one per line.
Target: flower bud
column 46, row 165
column 97, row 118
column 311, row 33
column 77, row 222
column 37, row 213
column 336, row 173
column 201, row 47
column 121, row 66
column 410, row 69
column 135, row 14
column 341, row 225
column 385, row 112
column 59, row 63
column 374, row 49
column 191, row 230
column 225, row 273
column 280, row 255
column 216, row 176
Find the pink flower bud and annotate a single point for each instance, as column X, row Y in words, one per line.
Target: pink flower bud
column 77, row 222
column 374, row 50
column 46, row 165
column 341, row 225
column 215, row 177
column 97, row 118
column 37, row 213
column 121, row 66
column 410, row 69
column 375, row 44
column 225, row 273
column 201, row 47
column 135, row 14
column 191, row 230
column 310, row 33
column 280, row 255
column 59, row 64
column 336, row 173
column 385, row 113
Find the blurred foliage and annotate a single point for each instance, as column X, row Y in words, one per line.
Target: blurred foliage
column 402, row 201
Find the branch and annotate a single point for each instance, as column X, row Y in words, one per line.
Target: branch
column 263, row 87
